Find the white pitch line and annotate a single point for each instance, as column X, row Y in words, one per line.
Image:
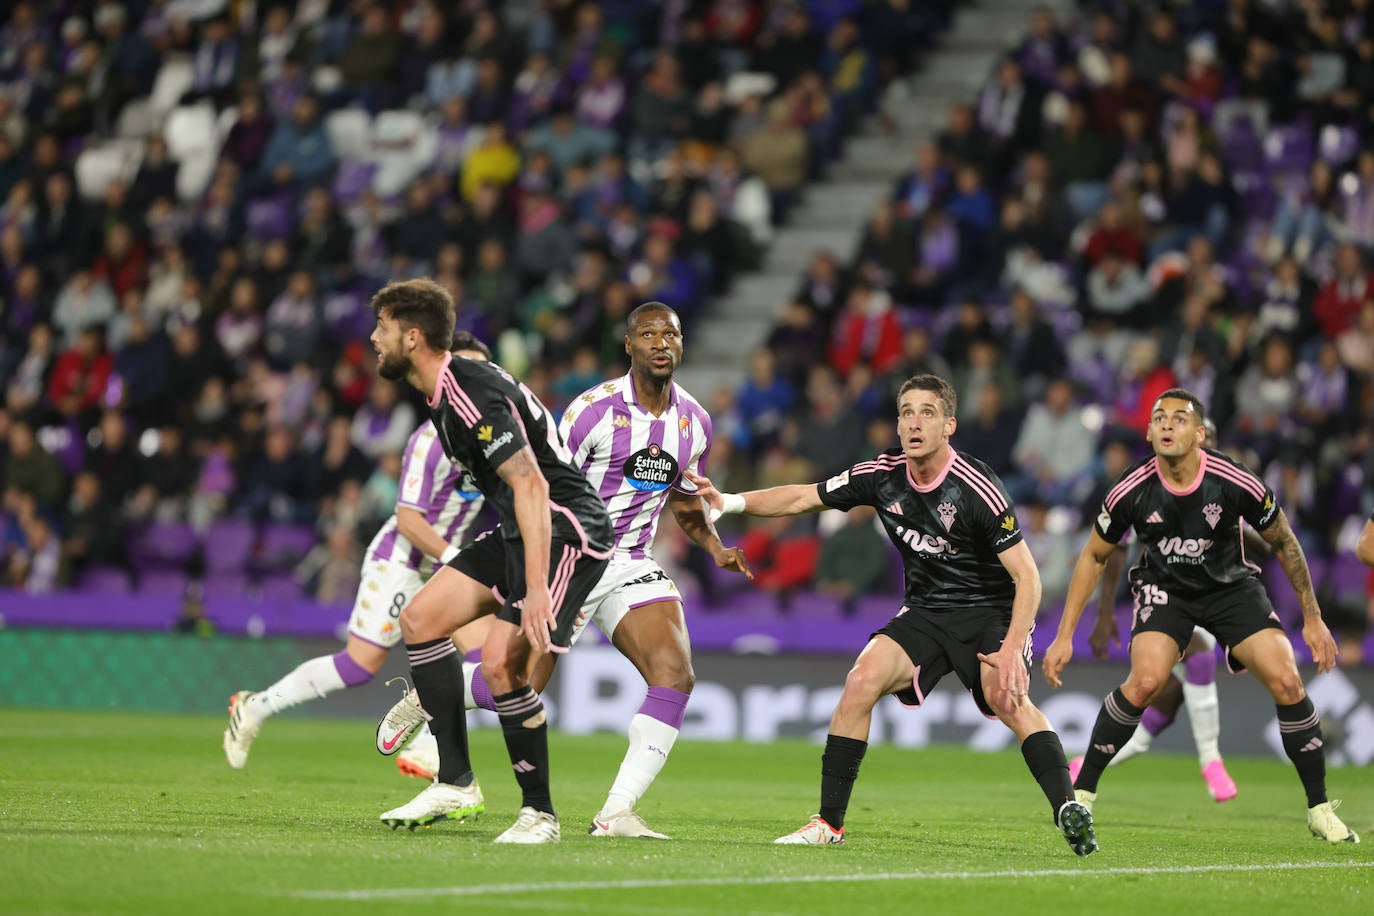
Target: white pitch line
column 485, row 890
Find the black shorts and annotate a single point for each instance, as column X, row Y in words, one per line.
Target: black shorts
column 499, row 564
column 940, row 643
column 1231, row 614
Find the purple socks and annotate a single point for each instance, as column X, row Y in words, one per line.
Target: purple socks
column 350, row 671
column 665, row 704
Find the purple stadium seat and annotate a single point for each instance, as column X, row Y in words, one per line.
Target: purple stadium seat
column 105, row 580
column 269, row 218
column 1288, row 147
column 1338, row 144
column 227, row 584
column 163, row 544
column 352, row 179
column 279, row 587
column 229, row 545
column 283, row 546
column 162, row 582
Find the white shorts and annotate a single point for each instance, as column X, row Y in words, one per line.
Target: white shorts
column 386, row 588
column 626, row 585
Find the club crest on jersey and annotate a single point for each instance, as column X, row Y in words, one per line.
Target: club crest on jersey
column 650, row 469
column 946, row 510
column 684, row 427
column 1211, row 512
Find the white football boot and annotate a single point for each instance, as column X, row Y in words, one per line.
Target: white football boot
column 623, row 823
column 531, row 828
column 1325, row 825
column 439, row 801
column 243, row 728
column 816, row 832
column 400, row 722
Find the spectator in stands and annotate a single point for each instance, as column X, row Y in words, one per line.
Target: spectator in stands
column 866, row 332
column 1267, row 396
column 123, row 263
column 797, row 342
column 215, row 64
column 1051, row 542
column 84, row 301
column 165, row 479
column 292, row 326
column 661, row 111
column 248, row 138
column 777, row 154
column 824, row 287
column 30, row 469
column 831, row 434
column 1306, row 216
column 854, row 560
column 925, row 185
column 271, row 483
column 1009, row 113
column 1077, row 161
column 93, row 531
column 989, row 428
column 80, row 376
column 369, row 61
column 1055, row 447
column 1341, row 298
column 763, row 403
column 384, row 423
column 299, row 153
column 1114, row 300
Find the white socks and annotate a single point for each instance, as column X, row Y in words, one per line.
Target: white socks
column 1139, row 744
column 650, row 742
column 311, row 680
column 1205, row 718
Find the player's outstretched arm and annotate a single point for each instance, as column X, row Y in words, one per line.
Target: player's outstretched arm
column 1011, row 668
column 791, row 499
column 1364, row 547
column 1104, row 629
column 1086, row 573
column 690, row 511
column 521, row 473
column 1279, row 535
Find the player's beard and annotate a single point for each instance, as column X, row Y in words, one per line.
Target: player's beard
column 393, row 366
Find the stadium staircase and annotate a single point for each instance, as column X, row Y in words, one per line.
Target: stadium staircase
column 834, row 212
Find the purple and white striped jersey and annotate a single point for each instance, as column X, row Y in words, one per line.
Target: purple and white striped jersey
column 440, row 490
column 633, row 457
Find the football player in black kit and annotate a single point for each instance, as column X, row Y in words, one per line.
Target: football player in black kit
column 972, row 591
column 548, row 552
column 1186, row 504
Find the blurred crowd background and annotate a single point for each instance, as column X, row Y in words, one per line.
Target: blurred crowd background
column 198, row 198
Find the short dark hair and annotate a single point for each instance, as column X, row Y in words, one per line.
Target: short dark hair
column 466, row 340
column 647, row 307
column 949, row 400
column 421, row 304
column 1183, row 394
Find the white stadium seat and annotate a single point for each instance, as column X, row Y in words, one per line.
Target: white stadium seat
column 191, row 129
column 350, row 132
column 173, row 79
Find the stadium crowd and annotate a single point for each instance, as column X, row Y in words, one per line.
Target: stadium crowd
column 198, row 198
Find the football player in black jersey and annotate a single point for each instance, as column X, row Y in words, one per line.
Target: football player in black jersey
column 1192, row 681
column 1186, row 504
column 549, row 550
column 972, row 591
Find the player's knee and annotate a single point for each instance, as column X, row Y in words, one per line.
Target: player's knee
column 862, row 687
column 673, row 673
column 1287, row 687
column 1142, row 687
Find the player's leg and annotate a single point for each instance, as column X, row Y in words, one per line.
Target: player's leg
column 1199, row 692
column 372, row 631
column 883, row 667
column 506, row 664
column 450, row 599
column 654, row 638
column 421, row 755
column 1158, row 716
column 1268, row 654
column 1153, row 653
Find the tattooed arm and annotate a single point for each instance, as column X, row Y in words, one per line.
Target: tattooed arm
column 1289, row 554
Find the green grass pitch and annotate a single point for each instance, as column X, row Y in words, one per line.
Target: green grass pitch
column 115, row 813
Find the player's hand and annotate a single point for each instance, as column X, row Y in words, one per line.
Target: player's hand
column 715, row 503
column 1012, row 675
column 1104, row 635
column 1056, row 657
column 537, row 622
column 732, row 558
column 1319, row 639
